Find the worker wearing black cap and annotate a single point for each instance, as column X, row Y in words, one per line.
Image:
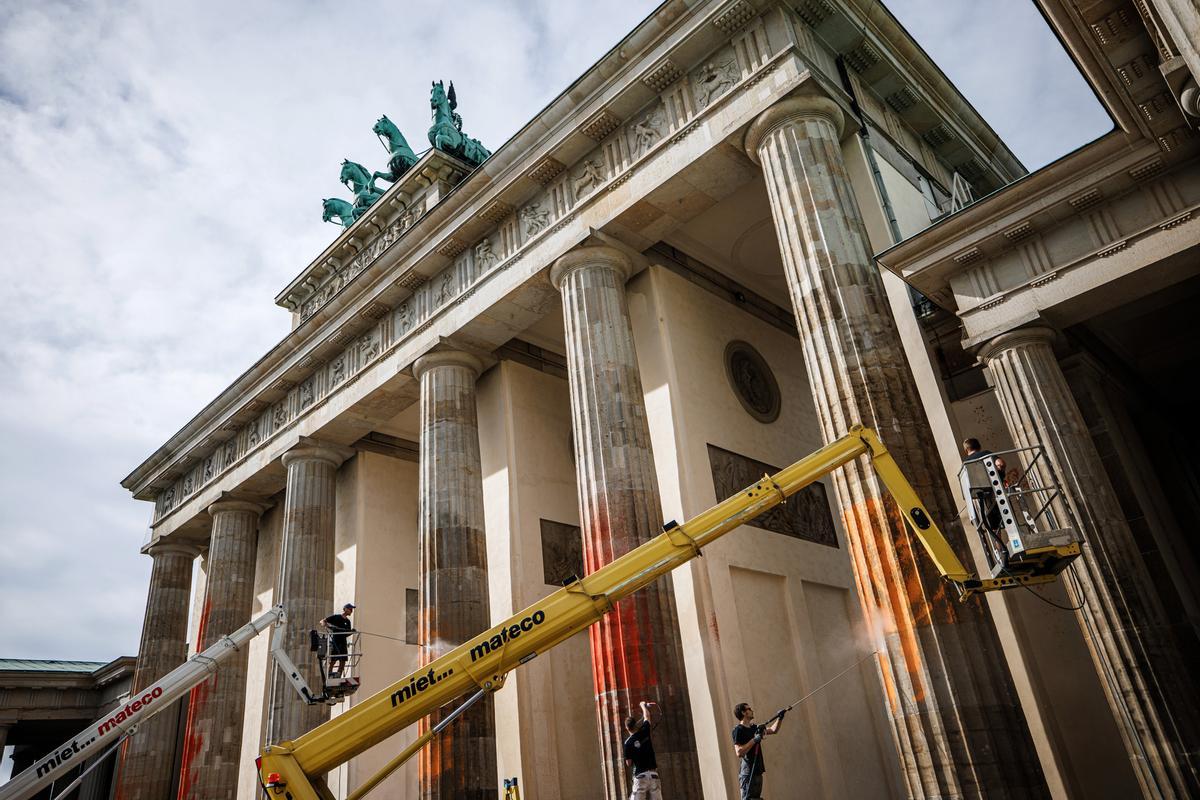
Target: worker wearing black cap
column 340, row 627
column 747, row 744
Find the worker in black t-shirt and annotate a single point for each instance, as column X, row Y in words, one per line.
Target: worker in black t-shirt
column 639, row 756
column 747, row 743
column 985, row 498
column 340, row 627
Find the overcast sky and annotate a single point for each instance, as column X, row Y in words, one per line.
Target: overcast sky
column 161, row 173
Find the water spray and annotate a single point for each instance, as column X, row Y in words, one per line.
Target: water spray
column 786, row 709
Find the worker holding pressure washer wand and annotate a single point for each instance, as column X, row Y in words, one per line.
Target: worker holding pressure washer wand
column 747, row 743
column 747, row 737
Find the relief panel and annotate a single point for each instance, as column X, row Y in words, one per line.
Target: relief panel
column 806, row 514
column 719, row 73
column 562, row 552
column 590, row 173
column 647, row 129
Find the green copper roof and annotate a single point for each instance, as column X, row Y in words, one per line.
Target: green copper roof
column 39, row 665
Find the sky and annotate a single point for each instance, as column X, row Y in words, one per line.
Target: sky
column 162, row 167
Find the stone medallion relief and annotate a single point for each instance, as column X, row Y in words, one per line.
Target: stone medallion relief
column 752, row 381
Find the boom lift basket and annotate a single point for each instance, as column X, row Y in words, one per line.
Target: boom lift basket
column 1011, row 497
column 338, row 654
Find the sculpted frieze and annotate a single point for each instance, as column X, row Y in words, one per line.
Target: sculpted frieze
column 588, row 178
column 367, row 255
column 404, row 317
column 715, row 77
column 806, row 514
column 485, row 257
column 648, row 130
column 536, row 219
column 446, row 288
column 368, row 348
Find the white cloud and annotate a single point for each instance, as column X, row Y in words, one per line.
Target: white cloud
column 163, row 166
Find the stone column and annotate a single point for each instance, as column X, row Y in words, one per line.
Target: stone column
column 1152, row 696
column 453, row 592
column 213, row 742
column 147, row 769
column 305, row 584
column 956, row 719
column 636, row 649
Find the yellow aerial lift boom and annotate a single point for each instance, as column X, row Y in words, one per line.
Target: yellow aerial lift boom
column 292, row 769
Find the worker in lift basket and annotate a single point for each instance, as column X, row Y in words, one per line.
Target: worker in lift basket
column 986, row 498
column 340, row 627
column 639, row 754
column 747, row 743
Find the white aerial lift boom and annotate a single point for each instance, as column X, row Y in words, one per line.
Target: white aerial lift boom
column 112, row 729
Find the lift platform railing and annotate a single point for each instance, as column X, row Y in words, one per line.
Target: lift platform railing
column 138, row 707
column 1011, row 500
column 338, row 654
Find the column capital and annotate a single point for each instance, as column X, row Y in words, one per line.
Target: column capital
column 313, row 450
column 1022, row 336
column 447, row 358
column 168, row 548
column 590, row 256
column 233, row 504
column 795, row 107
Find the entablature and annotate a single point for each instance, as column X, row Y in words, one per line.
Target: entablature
column 1096, row 215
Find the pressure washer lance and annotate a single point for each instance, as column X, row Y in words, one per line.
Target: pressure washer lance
column 786, row 709
column 779, row 714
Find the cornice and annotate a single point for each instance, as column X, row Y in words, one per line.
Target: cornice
column 945, row 100
column 1098, row 172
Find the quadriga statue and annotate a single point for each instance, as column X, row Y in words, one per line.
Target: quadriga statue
column 335, row 207
column 400, row 156
column 362, row 184
column 446, row 132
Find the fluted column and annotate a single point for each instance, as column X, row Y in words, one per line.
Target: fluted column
column 148, row 758
column 1153, row 698
column 305, row 579
column 636, row 649
column 956, row 721
column 212, row 745
column 453, row 592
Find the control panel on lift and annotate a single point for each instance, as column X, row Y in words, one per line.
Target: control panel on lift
column 1012, row 496
column 337, row 654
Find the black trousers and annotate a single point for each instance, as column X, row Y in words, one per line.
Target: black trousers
column 751, row 784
